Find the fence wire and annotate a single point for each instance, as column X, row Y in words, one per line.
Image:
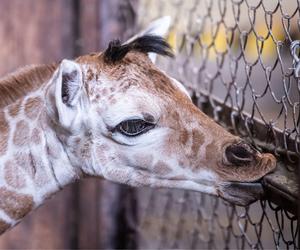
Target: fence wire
column 188, row 220
column 240, row 61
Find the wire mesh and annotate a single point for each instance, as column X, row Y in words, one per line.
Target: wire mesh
column 238, row 52
column 239, row 60
column 187, row 220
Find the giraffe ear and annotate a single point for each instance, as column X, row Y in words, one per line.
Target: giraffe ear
column 159, row 27
column 70, row 81
column 68, row 90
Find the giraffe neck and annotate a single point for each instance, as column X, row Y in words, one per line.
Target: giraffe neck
column 33, row 162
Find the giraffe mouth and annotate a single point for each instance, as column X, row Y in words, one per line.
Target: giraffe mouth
column 248, row 187
column 242, row 193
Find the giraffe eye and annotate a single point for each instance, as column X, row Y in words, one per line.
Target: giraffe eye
column 134, row 127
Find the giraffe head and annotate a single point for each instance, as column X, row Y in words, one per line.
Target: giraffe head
column 121, row 117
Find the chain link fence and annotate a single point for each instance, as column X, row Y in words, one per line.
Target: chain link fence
column 239, row 60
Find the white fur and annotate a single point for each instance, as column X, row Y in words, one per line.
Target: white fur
column 128, row 175
column 132, row 105
column 69, row 116
column 6, row 218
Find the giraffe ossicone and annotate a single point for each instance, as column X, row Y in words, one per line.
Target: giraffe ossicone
column 114, row 115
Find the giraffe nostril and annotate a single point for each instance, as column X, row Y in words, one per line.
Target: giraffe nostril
column 239, row 154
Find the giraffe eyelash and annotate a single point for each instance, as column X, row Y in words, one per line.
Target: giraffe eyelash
column 134, row 127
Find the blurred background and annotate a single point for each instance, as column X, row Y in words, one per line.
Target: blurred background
column 87, row 214
column 234, row 57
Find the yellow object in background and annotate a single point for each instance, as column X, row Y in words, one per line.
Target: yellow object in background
column 171, row 39
column 218, row 42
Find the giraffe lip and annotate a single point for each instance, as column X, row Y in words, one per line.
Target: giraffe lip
column 242, row 193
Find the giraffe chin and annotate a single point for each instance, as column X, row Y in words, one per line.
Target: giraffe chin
column 241, row 193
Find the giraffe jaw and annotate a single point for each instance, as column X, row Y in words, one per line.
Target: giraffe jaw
column 137, row 178
column 238, row 193
column 241, row 193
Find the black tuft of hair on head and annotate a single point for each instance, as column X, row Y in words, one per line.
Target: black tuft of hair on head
column 144, row 44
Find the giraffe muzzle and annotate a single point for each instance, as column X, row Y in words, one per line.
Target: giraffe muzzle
column 245, row 168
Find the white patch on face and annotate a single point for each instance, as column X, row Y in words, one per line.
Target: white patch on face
column 207, row 140
column 202, row 176
column 136, row 178
column 187, row 185
column 132, row 106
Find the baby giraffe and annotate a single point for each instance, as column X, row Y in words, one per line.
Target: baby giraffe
column 114, row 115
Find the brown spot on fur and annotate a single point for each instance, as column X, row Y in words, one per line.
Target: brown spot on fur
column 14, row 109
column 175, row 115
column 101, row 154
column 113, row 101
column 103, row 92
column 90, row 75
column 198, row 140
column 162, row 168
column 3, row 145
column 33, row 107
column 4, row 226
column 124, row 159
column 13, row 176
column 21, row 133
column 4, row 127
column 124, row 87
column 104, row 147
column 45, row 121
column 41, row 177
column 24, row 161
column 85, row 148
column 143, row 160
column 183, row 137
column 210, row 152
column 3, row 124
column 36, row 136
column 118, row 72
column 14, row 204
column 161, row 82
column 77, row 140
